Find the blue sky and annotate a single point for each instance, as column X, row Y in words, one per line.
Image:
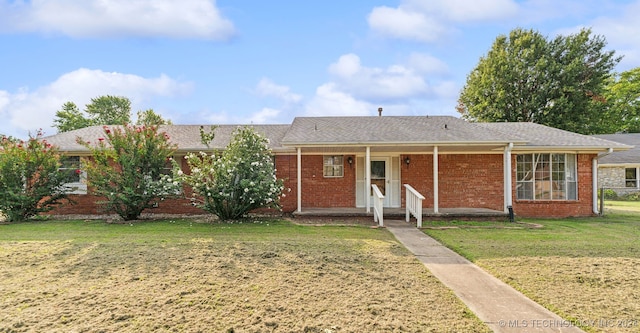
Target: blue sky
column 250, row 61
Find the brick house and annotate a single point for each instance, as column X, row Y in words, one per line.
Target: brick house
column 332, row 163
column 620, row 171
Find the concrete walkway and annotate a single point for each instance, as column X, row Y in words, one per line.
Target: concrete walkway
column 501, row 307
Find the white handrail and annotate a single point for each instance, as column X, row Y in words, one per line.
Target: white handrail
column 378, row 200
column 414, row 204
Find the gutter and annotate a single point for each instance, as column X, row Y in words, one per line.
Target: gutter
column 594, row 178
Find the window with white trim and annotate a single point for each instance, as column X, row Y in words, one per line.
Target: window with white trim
column 631, row 177
column 70, row 165
column 546, row 177
column 333, row 166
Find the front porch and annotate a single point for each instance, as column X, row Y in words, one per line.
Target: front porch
column 400, row 213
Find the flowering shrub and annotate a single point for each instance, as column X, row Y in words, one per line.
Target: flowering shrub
column 30, row 182
column 127, row 169
column 240, row 179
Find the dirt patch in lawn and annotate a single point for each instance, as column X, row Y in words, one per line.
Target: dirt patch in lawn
column 207, row 285
column 603, row 294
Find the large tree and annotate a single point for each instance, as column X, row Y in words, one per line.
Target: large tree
column 103, row 110
column 623, row 101
column 526, row 77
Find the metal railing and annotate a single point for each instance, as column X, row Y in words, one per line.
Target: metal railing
column 414, row 204
column 378, row 202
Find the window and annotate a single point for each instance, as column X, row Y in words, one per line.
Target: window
column 546, row 177
column 70, row 165
column 631, row 177
column 333, row 166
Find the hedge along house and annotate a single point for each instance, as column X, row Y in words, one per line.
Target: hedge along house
column 620, row 171
column 331, row 163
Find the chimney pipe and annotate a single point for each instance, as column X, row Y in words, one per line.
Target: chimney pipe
column 379, row 112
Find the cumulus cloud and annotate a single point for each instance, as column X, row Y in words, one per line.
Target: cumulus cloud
column 268, row 88
column 27, row 110
column 431, row 20
column 330, row 101
column 115, row 18
column 264, row 116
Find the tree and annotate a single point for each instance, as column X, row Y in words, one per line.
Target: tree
column 623, row 101
column 527, row 78
column 238, row 180
column 149, row 118
column 127, row 169
column 30, row 179
column 103, row 110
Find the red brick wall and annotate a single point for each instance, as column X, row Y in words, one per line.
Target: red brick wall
column 474, row 181
column 554, row 208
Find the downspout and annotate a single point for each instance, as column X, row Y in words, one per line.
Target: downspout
column 594, row 179
column 508, row 180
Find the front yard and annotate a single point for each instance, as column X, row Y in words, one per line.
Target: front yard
column 189, row 276
column 585, row 270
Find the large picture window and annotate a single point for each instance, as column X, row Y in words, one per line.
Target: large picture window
column 546, row 177
column 631, row 177
column 333, row 166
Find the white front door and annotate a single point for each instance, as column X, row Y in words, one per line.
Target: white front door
column 385, row 173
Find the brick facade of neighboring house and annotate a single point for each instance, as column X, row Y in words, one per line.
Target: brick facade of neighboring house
column 472, row 172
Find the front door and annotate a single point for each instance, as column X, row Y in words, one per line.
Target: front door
column 380, row 177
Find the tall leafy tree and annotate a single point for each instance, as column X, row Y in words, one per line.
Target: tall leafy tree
column 150, row 117
column 103, row 110
column 623, row 102
column 526, row 77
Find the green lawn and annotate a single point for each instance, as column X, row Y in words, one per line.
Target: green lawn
column 582, row 268
column 190, row 276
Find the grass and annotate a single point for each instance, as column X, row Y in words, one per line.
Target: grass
column 190, row 276
column 584, row 269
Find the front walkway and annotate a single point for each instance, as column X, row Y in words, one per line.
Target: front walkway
column 501, row 307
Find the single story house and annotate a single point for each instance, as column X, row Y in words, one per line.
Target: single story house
column 620, row 170
column 332, row 163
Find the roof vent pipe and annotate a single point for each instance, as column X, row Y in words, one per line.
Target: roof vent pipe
column 379, row 112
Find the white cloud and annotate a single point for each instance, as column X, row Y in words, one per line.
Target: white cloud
column 329, row 101
column 27, row 110
column 116, row 18
column 432, row 20
column 264, row 116
column 622, row 33
column 378, row 84
column 268, row 88
column 427, row 64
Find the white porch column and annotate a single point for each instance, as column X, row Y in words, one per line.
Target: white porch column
column 367, row 179
column 435, row 179
column 508, row 179
column 299, row 174
column 594, row 185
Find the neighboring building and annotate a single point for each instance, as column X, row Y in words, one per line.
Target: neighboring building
column 620, row 171
column 331, row 162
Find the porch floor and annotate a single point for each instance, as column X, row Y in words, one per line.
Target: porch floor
column 399, row 213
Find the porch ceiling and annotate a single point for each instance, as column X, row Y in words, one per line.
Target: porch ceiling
column 397, row 149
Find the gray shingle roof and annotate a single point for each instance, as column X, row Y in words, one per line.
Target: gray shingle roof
column 631, row 156
column 187, row 137
column 388, row 129
column 536, row 135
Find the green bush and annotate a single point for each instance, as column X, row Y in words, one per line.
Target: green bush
column 609, row 194
column 30, row 179
column 635, row 196
column 127, row 169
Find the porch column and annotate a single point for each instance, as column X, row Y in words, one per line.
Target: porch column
column 299, row 174
column 367, row 178
column 508, row 179
column 435, row 179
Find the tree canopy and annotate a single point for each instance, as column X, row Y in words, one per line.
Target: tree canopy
column 526, row 77
column 623, row 101
column 103, row 110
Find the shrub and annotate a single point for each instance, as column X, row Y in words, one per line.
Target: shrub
column 127, row 169
column 238, row 180
column 30, row 180
column 609, row 194
column 634, row 196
